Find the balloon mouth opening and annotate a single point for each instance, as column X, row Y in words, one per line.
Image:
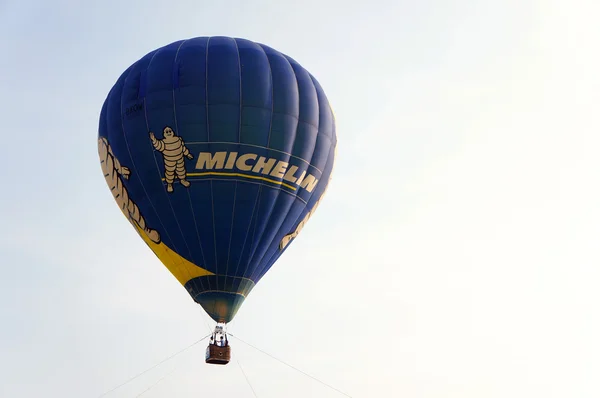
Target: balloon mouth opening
column 220, row 306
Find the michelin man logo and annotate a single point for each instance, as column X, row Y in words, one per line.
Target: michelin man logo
column 113, row 172
column 173, row 150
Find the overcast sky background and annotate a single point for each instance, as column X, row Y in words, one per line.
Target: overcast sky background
column 462, row 224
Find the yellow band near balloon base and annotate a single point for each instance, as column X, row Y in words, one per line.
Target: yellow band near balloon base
column 181, row 268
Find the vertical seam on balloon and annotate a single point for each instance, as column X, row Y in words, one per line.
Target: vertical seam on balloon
column 191, row 204
column 257, row 210
column 175, row 65
column 158, row 168
column 212, row 203
column 260, row 188
column 206, row 90
column 276, row 199
column 272, row 97
column 239, row 140
column 135, row 168
column 177, row 130
column 247, row 232
column 254, row 241
column 237, row 49
column 231, row 230
column 250, row 255
column 212, row 199
column 199, row 240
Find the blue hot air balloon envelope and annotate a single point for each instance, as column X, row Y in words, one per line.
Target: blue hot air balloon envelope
column 217, row 150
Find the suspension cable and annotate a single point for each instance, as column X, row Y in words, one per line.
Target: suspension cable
column 247, row 380
column 158, row 381
column 156, row 365
column 293, row 367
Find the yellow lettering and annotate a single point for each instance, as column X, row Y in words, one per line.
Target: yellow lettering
column 289, row 176
column 206, row 160
column 231, row 160
column 309, row 183
column 262, row 166
column 279, row 169
column 241, row 161
column 301, row 178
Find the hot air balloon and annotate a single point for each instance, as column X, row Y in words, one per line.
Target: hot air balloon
column 218, row 151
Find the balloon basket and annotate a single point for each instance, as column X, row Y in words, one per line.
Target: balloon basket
column 216, row 355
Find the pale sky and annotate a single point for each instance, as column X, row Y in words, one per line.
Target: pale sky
column 462, row 223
